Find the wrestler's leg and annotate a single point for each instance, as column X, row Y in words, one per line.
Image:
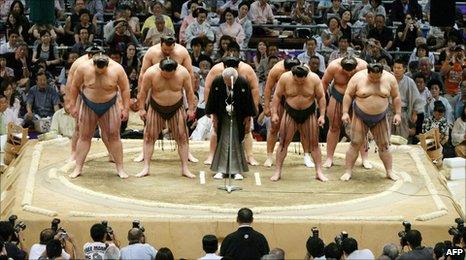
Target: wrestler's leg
column 309, row 132
column 382, row 139
column 104, row 137
column 287, row 130
column 109, row 124
column 152, row 129
column 364, row 151
column 74, row 141
column 333, row 136
column 248, row 140
column 177, row 125
column 358, row 137
column 213, row 141
column 87, row 120
column 272, row 136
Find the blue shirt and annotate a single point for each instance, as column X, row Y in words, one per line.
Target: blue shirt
column 42, row 101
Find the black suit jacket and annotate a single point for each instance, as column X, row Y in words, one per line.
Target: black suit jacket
column 397, row 11
column 245, row 243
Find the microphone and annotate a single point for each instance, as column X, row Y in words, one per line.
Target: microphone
column 232, row 83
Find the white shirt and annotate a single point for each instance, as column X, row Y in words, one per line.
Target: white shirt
column 304, row 58
column 37, row 250
column 138, row 251
column 202, row 130
column 211, row 257
column 260, row 15
column 6, row 48
column 94, row 250
column 361, row 254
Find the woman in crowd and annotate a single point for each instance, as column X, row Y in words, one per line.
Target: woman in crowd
column 84, row 22
column 245, row 22
column 130, row 59
column 133, row 21
column 18, row 20
column 224, row 41
column 458, row 135
column 199, row 28
column 406, row 34
column 46, row 50
column 231, row 27
column 345, row 24
column 14, row 105
column 192, row 6
column 261, row 61
column 331, row 35
column 421, row 51
column 434, row 87
column 301, row 11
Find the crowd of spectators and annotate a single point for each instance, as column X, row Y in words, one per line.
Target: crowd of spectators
column 35, row 57
column 244, row 243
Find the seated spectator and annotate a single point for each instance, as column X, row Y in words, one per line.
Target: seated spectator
column 96, row 8
column 458, row 135
column 164, row 253
column 11, row 114
column 343, row 51
column 375, row 51
column 357, row 8
column 345, row 24
column 391, row 251
column 245, row 242
column 62, row 122
column 185, row 8
column 367, row 26
column 156, row 33
column 333, row 252
column 438, row 120
column 439, row 251
column 418, row 42
column 315, row 248
column 222, row 48
column 401, row 8
column 109, row 27
column 97, row 248
column 381, row 32
column 3, row 130
column 406, row 34
column 115, row 55
column 452, row 42
column 305, row 57
column 261, row 12
column 84, row 43
column 415, row 248
column 350, row 250
column 4, row 9
column 331, row 35
column 70, row 57
column 210, row 247
column 192, row 6
column 243, row 19
column 84, row 22
column 301, row 11
column 336, row 10
column 12, row 250
column 434, row 87
column 425, row 67
column 277, row 253
column 20, row 63
column 196, row 53
column 47, row 235
column 375, row 6
column 46, row 50
column 119, row 38
column 72, row 21
column 231, row 27
column 130, row 58
column 232, row 4
column 43, row 101
column 314, row 65
column 17, row 20
column 156, row 8
column 421, row 51
column 137, row 248
column 452, row 72
column 199, row 28
column 9, row 46
column 132, row 20
column 424, row 92
column 261, row 61
column 209, row 49
column 5, row 72
column 55, row 30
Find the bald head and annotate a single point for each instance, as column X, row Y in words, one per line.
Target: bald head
column 134, row 235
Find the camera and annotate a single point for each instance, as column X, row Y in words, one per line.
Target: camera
column 17, row 226
column 341, row 237
column 402, row 234
column 457, row 232
column 137, row 224
column 315, row 232
column 108, row 237
column 55, row 228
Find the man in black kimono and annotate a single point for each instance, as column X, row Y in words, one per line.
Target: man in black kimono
column 225, row 100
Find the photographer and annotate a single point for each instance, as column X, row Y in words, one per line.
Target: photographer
column 103, row 238
column 452, row 72
column 350, row 250
column 415, row 250
column 7, row 232
column 121, row 36
column 53, row 250
column 315, row 248
column 47, row 235
column 137, row 249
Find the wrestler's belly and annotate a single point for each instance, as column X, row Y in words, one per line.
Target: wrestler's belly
column 166, row 98
column 299, row 102
column 99, row 95
column 372, row 105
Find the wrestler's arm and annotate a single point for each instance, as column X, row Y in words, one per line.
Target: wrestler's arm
column 320, row 94
column 187, row 63
column 146, row 63
column 271, row 80
column 145, row 86
column 328, row 76
column 350, row 93
column 279, row 91
column 395, row 94
column 208, row 83
column 77, row 81
column 123, row 83
column 254, row 85
column 188, row 89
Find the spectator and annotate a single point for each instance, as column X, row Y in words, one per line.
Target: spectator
column 62, row 122
column 96, row 8
column 314, row 65
column 424, row 92
column 333, row 252
column 375, row 6
column 121, row 36
column 343, row 51
column 434, row 87
column 421, row 51
column 416, row 250
column 84, row 22
column 137, row 249
column 232, row 4
column 156, row 8
column 331, row 35
column 20, row 63
column 452, row 42
column 110, row 26
column 5, row 8
column 425, row 67
column 5, row 72
column 70, row 57
column 209, row 49
column 130, row 58
column 155, row 34
column 72, row 21
column 452, row 72
column 6, row 234
column 210, row 247
column 245, row 242
column 381, row 32
column 11, row 114
column 311, row 45
column 192, row 6
column 46, row 50
column 196, row 53
column 391, row 251
column 261, row 61
column 367, row 26
column 401, row 8
column 133, row 21
column 345, row 24
column 406, row 33
column 301, row 11
column 199, row 28
column 3, row 108
column 185, row 9
column 336, row 10
column 21, row 23
column 418, row 42
column 439, row 250
column 84, row 43
column 96, row 249
column 231, row 27
column 315, row 248
column 458, row 135
column 53, row 250
column 375, row 51
column 243, row 19
column 358, row 8
column 261, row 12
column 48, row 235
column 115, row 55
column 9, row 46
column 350, row 250
column 439, row 121
column 224, row 42
column 164, row 253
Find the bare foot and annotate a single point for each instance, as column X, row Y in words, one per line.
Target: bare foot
column 345, row 177
column 75, row 173
column 191, row 158
column 328, row 163
column 269, row 162
column 392, row 176
column 143, row 173
column 308, row 161
column 188, row 174
column 140, row 158
column 367, row 165
column 321, row 177
column 123, row 174
column 275, row 177
column 252, row 161
column 209, row 160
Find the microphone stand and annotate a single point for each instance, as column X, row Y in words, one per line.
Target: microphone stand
column 229, row 187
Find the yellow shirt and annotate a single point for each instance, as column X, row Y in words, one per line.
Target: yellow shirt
column 150, row 22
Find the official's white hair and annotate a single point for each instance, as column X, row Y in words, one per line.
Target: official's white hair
column 230, row 72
